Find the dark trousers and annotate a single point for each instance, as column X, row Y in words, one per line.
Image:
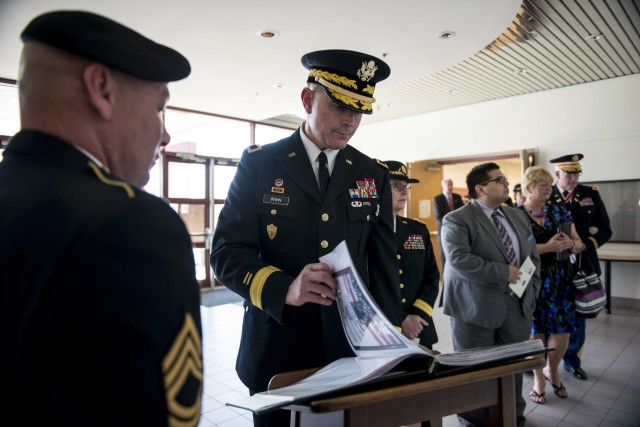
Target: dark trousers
column 576, row 341
column 515, row 328
column 277, row 418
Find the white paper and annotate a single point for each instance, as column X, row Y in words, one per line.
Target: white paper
column 424, row 208
column 365, row 325
column 526, row 269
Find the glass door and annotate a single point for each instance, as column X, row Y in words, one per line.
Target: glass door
column 196, row 187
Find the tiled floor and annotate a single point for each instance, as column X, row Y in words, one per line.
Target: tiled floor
column 611, row 358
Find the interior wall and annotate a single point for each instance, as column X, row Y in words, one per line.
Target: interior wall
column 599, row 120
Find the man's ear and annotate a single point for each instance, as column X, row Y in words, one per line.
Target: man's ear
column 100, row 85
column 307, row 99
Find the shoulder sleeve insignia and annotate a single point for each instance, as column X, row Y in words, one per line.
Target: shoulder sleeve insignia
column 382, row 164
column 182, row 373
column 254, row 148
column 112, row 182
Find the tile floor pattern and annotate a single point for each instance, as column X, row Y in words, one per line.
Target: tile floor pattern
column 611, row 358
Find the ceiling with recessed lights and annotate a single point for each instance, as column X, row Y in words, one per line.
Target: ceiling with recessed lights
column 443, row 54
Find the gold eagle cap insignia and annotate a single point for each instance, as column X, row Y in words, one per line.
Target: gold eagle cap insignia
column 271, row 231
column 182, row 369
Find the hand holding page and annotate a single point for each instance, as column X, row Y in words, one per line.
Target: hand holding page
column 527, row 269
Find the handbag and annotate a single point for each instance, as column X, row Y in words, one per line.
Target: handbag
column 589, row 292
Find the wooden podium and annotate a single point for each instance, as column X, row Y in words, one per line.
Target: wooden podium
column 425, row 401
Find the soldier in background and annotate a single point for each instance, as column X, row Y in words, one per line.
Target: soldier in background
column 592, row 224
column 419, row 276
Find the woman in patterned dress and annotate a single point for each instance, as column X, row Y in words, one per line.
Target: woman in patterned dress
column 555, row 312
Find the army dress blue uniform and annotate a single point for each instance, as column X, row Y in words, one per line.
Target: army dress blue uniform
column 99, row 305
column 274, row 222
column 419, row 276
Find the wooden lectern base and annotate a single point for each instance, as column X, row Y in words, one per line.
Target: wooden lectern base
column 423, row 402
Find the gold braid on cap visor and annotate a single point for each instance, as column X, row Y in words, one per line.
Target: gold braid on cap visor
column 570, row 167
column 342, row 91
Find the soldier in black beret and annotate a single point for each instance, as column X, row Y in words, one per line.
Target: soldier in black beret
column 419, row 275
column 592, row 224
column 294, row 201
column 100, row 305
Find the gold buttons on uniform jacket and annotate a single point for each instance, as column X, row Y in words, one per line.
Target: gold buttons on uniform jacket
column 273, row 211
column 398, row 256
column 325, row 217
column 324, row 244
column 400, row 271
column 401, row 285
column 404, row 300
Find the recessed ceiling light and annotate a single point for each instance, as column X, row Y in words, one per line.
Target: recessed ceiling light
column 279, row 86
column 521, row 71
column 594, row 37
column 446, row 35
column 268, row 34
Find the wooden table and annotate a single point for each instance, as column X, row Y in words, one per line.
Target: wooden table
column 416, row 402
column 615, row 253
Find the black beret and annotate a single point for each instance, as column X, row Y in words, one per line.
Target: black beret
column 398, row 170
column 569, row 163
column 347, row 77
column 108, row 42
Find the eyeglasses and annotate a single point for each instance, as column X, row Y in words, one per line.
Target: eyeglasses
column 500, row 180
column 401, row 186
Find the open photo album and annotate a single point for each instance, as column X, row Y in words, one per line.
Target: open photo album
column 380, row 349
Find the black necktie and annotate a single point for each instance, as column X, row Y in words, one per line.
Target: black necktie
column 565, row 193
column 323, row 173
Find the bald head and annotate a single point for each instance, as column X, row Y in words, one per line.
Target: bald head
column 49, row 83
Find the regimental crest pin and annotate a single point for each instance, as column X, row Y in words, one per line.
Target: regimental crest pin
column 278, row 186
column 271, row 231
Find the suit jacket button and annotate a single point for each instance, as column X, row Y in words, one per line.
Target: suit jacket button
column 324, row 244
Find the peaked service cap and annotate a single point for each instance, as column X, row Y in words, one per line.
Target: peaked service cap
column 349, row 78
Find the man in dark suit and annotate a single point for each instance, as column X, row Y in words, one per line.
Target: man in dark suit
column 443, row 203
column 486, row 242
column 419, row 276
column 99, row 304
column 294, row 201
column 592, row 224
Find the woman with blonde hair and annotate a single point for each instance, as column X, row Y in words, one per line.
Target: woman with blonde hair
column 554, row 316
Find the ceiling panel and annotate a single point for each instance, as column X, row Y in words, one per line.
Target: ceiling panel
column 550, row 44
